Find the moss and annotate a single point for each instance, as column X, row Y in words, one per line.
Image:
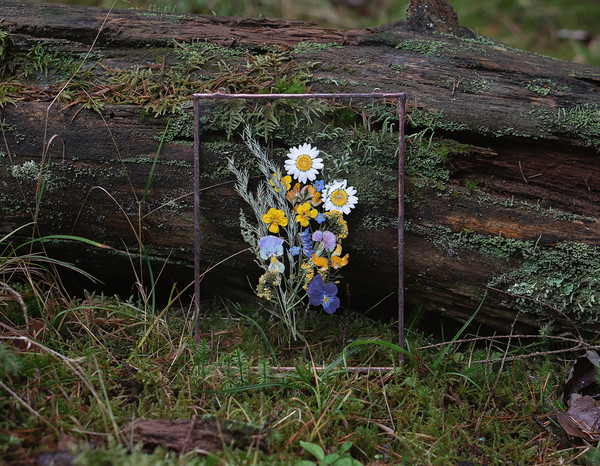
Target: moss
column 564, row 277
column 340, row 83
column 198, row 54
column 312, row 47
column 482, row 40
column 9, row 94
column 379, row 222
column 477, row 85
column 149, row 159
column 180, row 129
column 581, row 121
column 6, row 58
column 426, row 162
column 164, row 14
column 27, row 171
column 443, row 47
column 434, row 121
column 398, row 68
column 6, row 128
column 545, row 86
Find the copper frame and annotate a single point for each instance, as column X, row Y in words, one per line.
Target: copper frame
column 398, row 97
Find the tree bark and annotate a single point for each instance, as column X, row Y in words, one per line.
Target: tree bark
column 502, row 175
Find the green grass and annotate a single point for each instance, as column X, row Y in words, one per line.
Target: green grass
column 85, row 376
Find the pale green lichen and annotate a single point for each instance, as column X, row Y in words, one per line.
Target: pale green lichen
column 311, row 47
column 434, row 121
column 476, row 85
column 546, row 86
column 581, row 121
column 27, row 171
column 448, row 45
column 565, row 277
column 547, row 279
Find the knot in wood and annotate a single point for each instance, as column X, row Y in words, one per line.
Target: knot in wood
column 434, row 16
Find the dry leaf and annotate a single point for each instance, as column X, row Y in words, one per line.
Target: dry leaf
column 584, row 374
column 582, row 419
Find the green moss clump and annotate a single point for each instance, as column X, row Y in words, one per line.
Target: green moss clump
column 581, row 121
column 448, row 45
column 426, row 47
column 434, row 121
column 198, row 54
column 545, row 86
column 311, row 47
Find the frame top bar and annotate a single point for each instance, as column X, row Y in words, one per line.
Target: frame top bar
column 372, row 95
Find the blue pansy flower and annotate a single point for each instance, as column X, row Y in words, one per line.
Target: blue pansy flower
column 271, row 247
column 323, row 294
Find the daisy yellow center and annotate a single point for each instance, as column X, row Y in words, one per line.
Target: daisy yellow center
column 339, row 197
column 304, row 162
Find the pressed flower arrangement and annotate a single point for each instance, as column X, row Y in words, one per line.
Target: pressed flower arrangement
column 298, row 233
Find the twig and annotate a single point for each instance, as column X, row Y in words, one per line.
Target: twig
column 503, row 337
column 539, row 353
column 522, row 174
column 356, row 369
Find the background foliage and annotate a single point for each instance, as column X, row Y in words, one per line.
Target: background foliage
column 565, row 29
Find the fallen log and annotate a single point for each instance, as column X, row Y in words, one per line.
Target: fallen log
column 502, row 174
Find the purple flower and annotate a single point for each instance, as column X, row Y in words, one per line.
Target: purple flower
column 326, row 238
column 323, row 294
column 320, row 218
column 319, row 185
column 307, row 246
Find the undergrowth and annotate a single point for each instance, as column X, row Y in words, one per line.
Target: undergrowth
column 77, row 382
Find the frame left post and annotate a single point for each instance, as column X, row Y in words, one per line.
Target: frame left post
column 196, row 220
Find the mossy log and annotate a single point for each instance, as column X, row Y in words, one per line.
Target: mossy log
column 502, row 173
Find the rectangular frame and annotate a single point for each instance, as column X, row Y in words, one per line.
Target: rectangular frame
column 399, row 97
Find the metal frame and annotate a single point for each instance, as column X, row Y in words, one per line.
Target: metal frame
column 399, row 97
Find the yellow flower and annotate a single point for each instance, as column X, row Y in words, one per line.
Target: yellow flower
column 275, row 218
column 305, row 213
column 286, row 182
column 308, row 272
column 336, row 224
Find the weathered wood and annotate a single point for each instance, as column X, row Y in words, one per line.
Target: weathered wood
column 182, row 436
column 511, row 175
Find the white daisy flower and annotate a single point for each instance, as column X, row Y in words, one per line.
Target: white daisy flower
column 340, row 197
column 303, row 163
